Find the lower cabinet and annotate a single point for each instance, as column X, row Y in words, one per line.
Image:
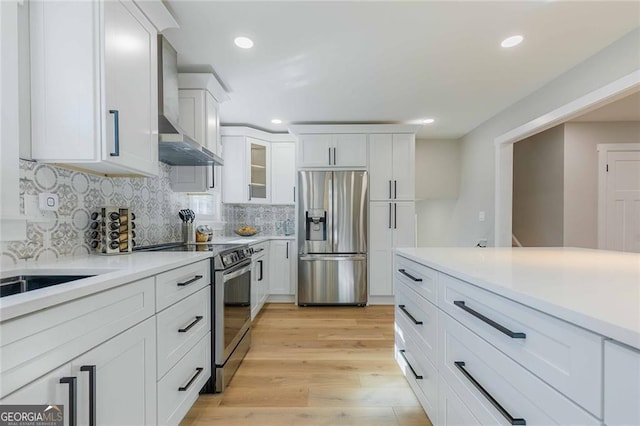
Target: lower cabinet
column 260, row 268
column 281, row 267
column 621, row 385
column 113, row 383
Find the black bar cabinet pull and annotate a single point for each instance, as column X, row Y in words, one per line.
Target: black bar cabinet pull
column 213, row 176
column 395, row 215
column 193, row 379
column 260, row 263
column 116, row 132
column 335, row 161
column 514, row 335
column 405, row 273
column 389, row 215
column 73, row 403
column 249, row 192
column 194, row 322
column 287, row 249
column 91, row 369
column 417, row 376
column 403, row 308
column 390, row 189
column 192, row 280
column 512, row 420
column 329, row 156
column 395, row 189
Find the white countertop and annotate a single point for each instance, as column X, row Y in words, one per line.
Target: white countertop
column 595, row 289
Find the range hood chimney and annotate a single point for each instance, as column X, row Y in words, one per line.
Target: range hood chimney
column 175, row 147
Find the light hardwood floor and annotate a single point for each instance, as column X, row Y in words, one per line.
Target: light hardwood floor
column 316, row 366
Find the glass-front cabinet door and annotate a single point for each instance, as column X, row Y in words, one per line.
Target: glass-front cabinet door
column 259, row 175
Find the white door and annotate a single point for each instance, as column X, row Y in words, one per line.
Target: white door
column 622, row 202
column 350, row 150
column 47, row 390
column 254, row 287
column 380, row 244
column 404, row 160
column 283, row 173
column 621, row 385
column 125, row 378
column 234, row 183
column 212, row 125
column 131, row 90
column 280, row 258
column 258, row 169
column 315, row 150
column 191, row 118
column 404, row 219
column 380, row 167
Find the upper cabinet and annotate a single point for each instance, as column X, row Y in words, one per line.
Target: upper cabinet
column 332, row 150
column 392, row 167
column 94, row 101
column 283, row 173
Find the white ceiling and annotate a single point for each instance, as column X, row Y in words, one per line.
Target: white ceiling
column 391, row 62
column 625, row 109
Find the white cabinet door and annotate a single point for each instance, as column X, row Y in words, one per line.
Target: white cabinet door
column 212, row 123
column 380, row 244
column 350, row 150
column 47, row 390
column 258, row 171
column 280, row 267
column 192, row 120
column 234, row 184
column 259, row 279
column 621, row 385
column 404, row 224
column 125, row 377
column 380, row 167
column 315, row 151
column 404, row 181
column 451, row 409
column 130, row 88
column 283, row 173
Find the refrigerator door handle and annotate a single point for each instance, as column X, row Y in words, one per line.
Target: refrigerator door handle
column 389, row 214
column 344, row 257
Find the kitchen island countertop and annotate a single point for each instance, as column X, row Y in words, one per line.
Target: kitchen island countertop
column 594, row 289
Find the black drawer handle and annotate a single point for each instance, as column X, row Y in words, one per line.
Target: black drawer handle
column 492, row 400
column 405, row 273
column 417, row 376
column 184, row 330
column 73, row 399
column 91, row 369
column 514, row 335
column 190, row 382
column 192, row 280
column 404, row 309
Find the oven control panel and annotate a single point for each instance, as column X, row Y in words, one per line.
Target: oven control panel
column 232, row 257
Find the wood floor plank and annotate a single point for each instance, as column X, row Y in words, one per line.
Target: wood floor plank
column 316, row 366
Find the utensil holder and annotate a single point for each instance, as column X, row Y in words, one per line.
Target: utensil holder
column 188, row 233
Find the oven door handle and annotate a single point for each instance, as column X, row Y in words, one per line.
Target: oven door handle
column 236, row 273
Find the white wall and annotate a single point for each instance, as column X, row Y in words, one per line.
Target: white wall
column 437, row 184
column 581, row 176
column 538, row 189
column 477, row 191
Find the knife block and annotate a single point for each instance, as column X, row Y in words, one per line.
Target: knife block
column 112, row 230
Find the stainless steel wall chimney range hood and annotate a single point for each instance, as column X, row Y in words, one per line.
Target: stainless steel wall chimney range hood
column 175, row 147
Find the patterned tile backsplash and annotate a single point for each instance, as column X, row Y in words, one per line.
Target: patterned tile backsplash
column 151, row 199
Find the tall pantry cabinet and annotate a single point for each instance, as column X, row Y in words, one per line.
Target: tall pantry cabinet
column 391, row 206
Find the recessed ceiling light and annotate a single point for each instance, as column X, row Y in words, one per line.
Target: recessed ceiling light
column 428, row 121
column 243, row 42
column 276, row 121
column 512, row 41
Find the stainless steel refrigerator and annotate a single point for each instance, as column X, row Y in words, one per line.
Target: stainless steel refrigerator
column 332, row 230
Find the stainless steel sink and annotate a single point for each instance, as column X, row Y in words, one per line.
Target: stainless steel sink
column 23, row 283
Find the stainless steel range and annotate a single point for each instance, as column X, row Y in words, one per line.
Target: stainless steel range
column 231, row 306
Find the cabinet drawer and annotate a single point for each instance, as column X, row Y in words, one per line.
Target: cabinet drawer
column 466, row 358
column 419, row 370
column 567, row 357
column 178, row 389
column 179, row 283
column 181, row 326
column 451, row 409
column 421, row 279
column 412, row 309
column 621, row 385
column 32, row 345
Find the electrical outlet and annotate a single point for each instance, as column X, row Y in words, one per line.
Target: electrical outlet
column 482, row 242
column 481, row 216
column 48, row 202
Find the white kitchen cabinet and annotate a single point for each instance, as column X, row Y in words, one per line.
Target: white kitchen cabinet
column 621, row 385
column 283, row 173
column 246, row 175
column 392, row 167
column 94, row 86
column 200, row 119
column 281, row 267
column 333, row 150
column 260, row 268
column 391, row 225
